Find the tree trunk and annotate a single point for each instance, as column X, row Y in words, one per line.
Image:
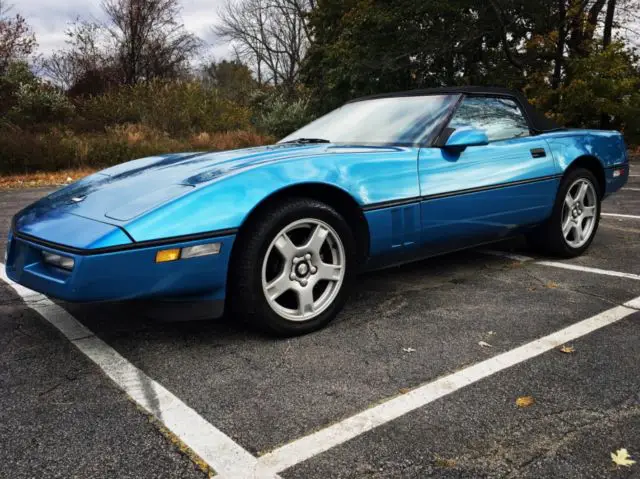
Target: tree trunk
column 559, row 59
column 608, row 23
column 582, row 32
column 605, row 121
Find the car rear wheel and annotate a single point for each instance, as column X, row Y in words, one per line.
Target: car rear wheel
column 294, row 268
column 576, row 214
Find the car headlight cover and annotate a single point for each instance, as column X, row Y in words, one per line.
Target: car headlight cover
column 201, row 250
column 64, row 262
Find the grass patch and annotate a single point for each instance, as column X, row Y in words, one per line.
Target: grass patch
column 43, row 178
column 24, row 152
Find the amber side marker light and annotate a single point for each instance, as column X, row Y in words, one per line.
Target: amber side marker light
column 174, row 254
column 167, row 255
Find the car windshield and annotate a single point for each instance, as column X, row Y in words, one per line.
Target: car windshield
column 391, row 120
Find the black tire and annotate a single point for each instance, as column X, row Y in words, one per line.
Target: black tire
column 549, row 238
column 246, row 296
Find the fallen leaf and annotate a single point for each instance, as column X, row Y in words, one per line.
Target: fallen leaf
column 484, row 344
column 622, row 458
column 525, row 401
column 567, row 349
column 404, row 390
column 551, row 285
column 409, row 350
column 445, row 463
column 532, row 288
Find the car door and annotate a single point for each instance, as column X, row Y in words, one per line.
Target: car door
column 485, row 192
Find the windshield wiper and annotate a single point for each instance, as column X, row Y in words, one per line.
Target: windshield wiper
column 306, row 141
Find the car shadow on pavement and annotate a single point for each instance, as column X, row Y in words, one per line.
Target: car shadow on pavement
column 118, row 320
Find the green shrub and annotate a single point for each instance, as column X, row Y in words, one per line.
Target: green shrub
column 27, row 100
column 278, row 115
column 16, row 74
column 39, row 103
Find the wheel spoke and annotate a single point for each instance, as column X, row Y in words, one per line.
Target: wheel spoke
column 582, row 191
column 579, row 232
column 278, row 286
column 317, row 239
column 568, row 200
column 567, row 226
column 588, row 211
column 331, row 272
column 286, row 247
column 305, row 301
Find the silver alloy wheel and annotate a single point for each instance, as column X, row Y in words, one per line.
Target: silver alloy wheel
column 579, row 213
column 303, row 269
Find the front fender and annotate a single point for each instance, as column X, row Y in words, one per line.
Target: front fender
column 369, row 174
column 224, row 204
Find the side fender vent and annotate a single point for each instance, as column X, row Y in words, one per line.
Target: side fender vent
column 405, row 226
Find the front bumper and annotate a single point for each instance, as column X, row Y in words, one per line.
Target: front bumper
column 122, row 275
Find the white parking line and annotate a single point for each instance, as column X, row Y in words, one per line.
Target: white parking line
column 325, row 439
column 216, row 448
column 630, row 189
column 557, row 264
column 616, row 215
column 587, row 269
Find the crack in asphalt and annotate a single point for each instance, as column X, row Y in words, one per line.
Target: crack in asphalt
column 526, row 267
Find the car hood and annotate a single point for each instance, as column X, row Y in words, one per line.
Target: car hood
column 123, row 192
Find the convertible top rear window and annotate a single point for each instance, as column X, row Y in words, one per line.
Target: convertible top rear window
column 392, row 120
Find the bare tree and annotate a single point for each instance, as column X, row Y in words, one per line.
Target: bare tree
column 60, row 69
column 627, row 21
column 149, row 39
column 269, row 35
column 87, row 51
column 17, row 41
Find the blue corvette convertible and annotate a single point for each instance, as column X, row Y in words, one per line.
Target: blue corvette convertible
column 278, row 233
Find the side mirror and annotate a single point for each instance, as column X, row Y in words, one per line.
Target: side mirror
column 464, row 137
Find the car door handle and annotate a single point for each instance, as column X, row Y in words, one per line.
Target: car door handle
column 538, row 152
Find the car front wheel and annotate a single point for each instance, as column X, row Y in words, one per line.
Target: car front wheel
column 295, row 267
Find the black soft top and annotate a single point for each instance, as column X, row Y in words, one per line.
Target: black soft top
column 538, row 121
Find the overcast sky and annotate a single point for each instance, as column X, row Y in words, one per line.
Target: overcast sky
column 49, row 19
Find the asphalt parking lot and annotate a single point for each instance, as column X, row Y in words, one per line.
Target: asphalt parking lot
column 398, row 386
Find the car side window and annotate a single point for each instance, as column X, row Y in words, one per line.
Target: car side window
column 501, row 118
